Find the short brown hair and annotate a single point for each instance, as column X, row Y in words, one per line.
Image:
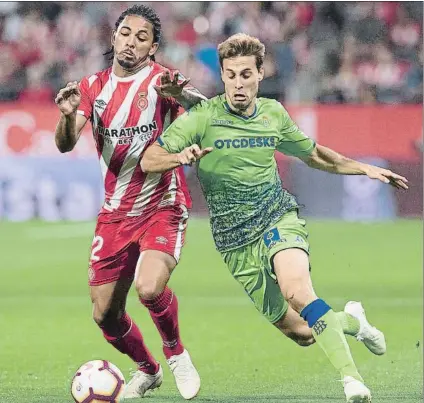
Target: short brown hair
column 242, row 45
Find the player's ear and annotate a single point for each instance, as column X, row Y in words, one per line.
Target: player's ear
column 112, row 39
column 153, row 49
column 261, row 73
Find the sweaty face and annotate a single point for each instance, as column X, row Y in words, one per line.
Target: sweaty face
column 133, row 42
column 241, row 80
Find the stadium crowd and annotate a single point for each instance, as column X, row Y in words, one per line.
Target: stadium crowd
column 326, row 52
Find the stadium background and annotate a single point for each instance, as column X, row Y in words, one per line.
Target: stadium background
column 350, row 74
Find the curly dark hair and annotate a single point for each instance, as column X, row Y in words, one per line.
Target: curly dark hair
column 149, row 15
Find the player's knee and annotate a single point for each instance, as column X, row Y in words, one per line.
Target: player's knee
column 99, row 317
column 148, row 290
column 303, row 340
column 106, row 318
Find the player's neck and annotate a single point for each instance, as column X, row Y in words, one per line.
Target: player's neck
column 121, row 72
column 247, row 112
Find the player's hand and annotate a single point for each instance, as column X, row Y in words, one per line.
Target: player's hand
column 192, row 154
column 69, row 98
column 169, row 86
column 387, row 176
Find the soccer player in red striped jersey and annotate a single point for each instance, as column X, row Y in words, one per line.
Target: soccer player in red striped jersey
column 141, row 226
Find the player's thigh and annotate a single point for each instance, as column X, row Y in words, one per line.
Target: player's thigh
column 294, row 327
column 288, row 251
column 113, row 258
column 114, row 250
column 160, row 249
column 248, row 266
column 291, row 267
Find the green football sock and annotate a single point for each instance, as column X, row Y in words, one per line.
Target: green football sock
column 349, row 323
column 328, row 333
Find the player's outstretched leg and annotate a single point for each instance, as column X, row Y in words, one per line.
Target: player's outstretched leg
column 352, row 320
column 123, row 334
column 153, row 273
column 292, row 271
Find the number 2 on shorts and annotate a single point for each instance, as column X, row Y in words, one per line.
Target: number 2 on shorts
column 99, row 240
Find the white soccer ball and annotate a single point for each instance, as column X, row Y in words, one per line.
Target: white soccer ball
column 98, row 381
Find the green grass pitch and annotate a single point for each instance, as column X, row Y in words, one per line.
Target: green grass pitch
column 47, row 331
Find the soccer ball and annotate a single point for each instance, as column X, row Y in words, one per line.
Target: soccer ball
column 98, row 381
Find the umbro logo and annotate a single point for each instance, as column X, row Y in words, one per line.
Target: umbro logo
column 100, row 103
column 162, row 240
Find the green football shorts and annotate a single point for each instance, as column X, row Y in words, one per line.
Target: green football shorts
column 251, row 265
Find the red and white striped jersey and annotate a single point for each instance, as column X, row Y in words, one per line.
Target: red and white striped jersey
column 127, row 115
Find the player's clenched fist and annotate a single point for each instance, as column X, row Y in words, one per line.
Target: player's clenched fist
column 192, row 154
column 69, row 98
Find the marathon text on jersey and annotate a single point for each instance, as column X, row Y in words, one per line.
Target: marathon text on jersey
column 126, row 134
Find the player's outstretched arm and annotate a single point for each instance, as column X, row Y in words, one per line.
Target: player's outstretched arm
column 325, row 159
column 157, row 159
column 70, row 124
column 171, row 88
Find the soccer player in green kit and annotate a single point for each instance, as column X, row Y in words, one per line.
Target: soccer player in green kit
column 254, row 221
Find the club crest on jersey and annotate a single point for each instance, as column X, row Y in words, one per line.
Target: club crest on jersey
column 142, row 102
column 265, row 121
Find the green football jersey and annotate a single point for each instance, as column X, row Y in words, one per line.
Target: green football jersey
column 239, row 177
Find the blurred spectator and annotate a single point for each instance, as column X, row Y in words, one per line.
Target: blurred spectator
column 11, row 74
column 385, row 73
column 272, row 86
column 413, row 90
column 329, row 52
column 405, row 35
column 37, row 89
column 368, row 29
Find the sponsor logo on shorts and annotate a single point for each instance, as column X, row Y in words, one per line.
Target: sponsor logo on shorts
column 162, row 240
column 272, row 237
column 299, row 239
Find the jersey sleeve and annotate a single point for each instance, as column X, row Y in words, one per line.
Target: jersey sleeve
column 292, row 141
column 187, row 129
column 85, row 108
